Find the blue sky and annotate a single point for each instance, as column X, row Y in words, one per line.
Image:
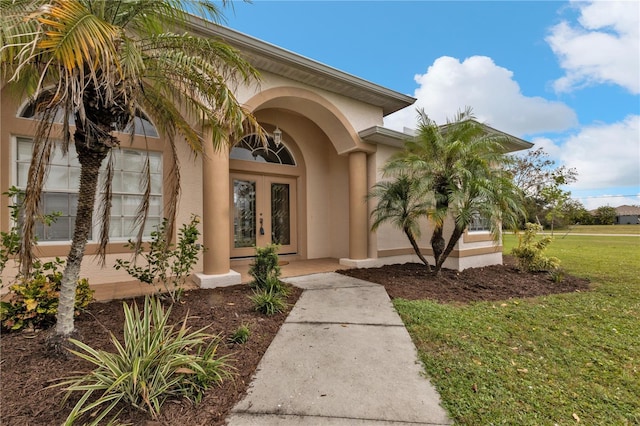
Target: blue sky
column 563, row 75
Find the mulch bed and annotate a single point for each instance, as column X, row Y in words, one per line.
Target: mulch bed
column 26, row 369
column 498, row 282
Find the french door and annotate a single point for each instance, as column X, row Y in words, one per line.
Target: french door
column 263, row 211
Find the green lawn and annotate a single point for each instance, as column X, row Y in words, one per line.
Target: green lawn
column 600, row 229
column 551, row 360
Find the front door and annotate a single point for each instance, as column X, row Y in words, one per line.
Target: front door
column 262, row 212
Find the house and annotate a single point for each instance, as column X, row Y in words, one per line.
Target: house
column 306, row 191
column 627, row 215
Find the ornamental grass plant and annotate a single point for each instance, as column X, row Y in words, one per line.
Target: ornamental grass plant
column 155, row 362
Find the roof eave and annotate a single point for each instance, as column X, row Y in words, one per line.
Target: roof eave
column 274, row 59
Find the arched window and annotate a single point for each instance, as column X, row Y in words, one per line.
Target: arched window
column 250, row 148
column 142, row 125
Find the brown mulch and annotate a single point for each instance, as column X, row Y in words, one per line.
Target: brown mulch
column 498, row 282
column 26, row 369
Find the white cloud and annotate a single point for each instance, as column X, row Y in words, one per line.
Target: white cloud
column 613, row 200
column 548, row 145
column 605, row 155
column 602, row 47
column 450, row 85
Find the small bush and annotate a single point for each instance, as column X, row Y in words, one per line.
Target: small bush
column 530, row 251
column 33, row 302
column 265, row 266
column 241, row 335
column 268, row 302
column 164, row 262
column 155, row 362
column 274, row 285
column 556, row 275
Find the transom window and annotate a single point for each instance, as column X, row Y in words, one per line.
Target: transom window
column 250, row 148
column 141, row 123
column 63, row 181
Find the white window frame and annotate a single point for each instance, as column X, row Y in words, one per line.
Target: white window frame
column 157, row 194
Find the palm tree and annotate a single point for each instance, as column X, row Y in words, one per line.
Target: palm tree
column 401, row 204
column 102, row 63
column 461, row 164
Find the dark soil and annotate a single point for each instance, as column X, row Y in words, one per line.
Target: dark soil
column 498, row 282
column 27, row 369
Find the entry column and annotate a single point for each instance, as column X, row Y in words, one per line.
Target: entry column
column 215, row 218
column 358, row 214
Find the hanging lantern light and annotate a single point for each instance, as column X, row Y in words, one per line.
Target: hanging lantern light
column 277, row 136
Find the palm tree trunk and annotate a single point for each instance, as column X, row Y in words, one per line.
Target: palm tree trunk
column 414, row 244
column 437, row 243
column 90, row 161
column 455, row 236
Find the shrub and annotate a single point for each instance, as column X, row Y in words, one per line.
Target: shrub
column 265, row 266
column 10, row 241
column 164, row 262
column 530, row 251
column 556, row 275
column 241, row 335
column 269, row 292
column 33, row 301
column 155, row 362
column 268, row 302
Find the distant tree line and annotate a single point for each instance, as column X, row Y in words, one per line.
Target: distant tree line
column 545, row 202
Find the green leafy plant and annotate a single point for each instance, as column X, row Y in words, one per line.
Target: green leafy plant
column 265, row 266
column 268, row 302
column 165, row 262
column 241, row 335
column 33, row 301
column 155, row 362
column 530, row 251
column 556, row 275
column 269, row 293
column 10, row 241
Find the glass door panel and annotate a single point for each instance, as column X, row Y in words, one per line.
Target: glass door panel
column 262, row 212
column 282, row 211
column 244, row 213
column 280, row 214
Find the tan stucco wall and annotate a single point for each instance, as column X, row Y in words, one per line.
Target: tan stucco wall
column 359, row 115
column 190, row 201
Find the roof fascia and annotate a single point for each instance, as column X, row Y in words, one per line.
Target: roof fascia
column 389, row 100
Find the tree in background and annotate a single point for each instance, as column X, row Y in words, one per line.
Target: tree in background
column 574, row 212
column 540, row 180
column 555, row 199
column 102, row 63
column 605, row 215
column 459, row 169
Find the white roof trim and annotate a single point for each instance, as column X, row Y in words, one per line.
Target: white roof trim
column 384, row 136
column 268, row 57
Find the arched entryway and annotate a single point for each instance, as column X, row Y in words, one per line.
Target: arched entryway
column 263, row 189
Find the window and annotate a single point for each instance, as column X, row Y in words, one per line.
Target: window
column 141, row 123
column 61, row 191
column 127, row 191
column 479, row 223
column 250, row 148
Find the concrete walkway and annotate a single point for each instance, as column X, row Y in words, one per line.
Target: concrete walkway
column 342, row 357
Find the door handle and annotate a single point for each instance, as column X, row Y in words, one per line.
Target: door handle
column 261, row 227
